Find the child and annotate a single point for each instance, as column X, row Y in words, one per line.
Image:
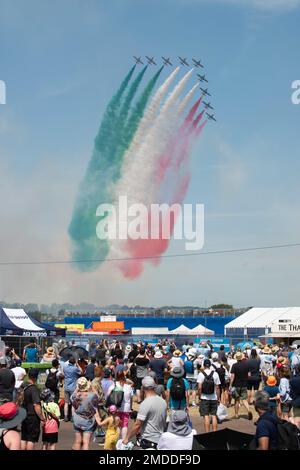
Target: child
column 51, row 413
column 273, row 392
column 112, row 434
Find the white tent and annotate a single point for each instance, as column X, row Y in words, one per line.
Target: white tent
column 202, row 330
column 181, row 330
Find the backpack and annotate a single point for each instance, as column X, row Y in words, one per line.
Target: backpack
column 208, row 385
column 189, row 367
column 221, row 373
column 288, row 436
column 115, row 397
column 52, row 381
column 177, row 389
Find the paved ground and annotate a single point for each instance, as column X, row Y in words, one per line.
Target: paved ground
column 242, row 424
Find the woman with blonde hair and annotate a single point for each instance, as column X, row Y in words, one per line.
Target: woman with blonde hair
column 85, row 404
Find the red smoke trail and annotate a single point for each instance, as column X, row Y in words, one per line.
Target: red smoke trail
column 171, row 160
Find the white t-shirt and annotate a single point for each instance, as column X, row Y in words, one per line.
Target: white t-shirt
column 200, row 380
column 230, row 362
column 169, row 441
column 126, row 403
column 19, row 373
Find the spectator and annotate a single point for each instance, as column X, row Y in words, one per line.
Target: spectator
column 51, row 413
column 85, row 416
column 159, row 366
column 295, row 395
column 266, row 436
column 7, row 381
column 54, row 377
column 19, row 373
column 31, row 352
column 191, row 373
column 49, row 355
column 10, row 417
column 177, row 393
column 90, row 370
column 273, row 392
column 151, row 418
column 71, row 372
column 179, row 434
column 254, row 377
column 176, row 360
column 30, row 430
column 107, row 381
column 238, row 384
column 285, row 403
column 209, row 394
column 142, row 363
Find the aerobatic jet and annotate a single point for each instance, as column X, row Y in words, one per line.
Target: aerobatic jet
column 150, row 60
column 202, row 78
column 183, row 61
column 207, row 105
column 205, row 91
column 166, row 60
column 211, row 116
column 197, row 63
column 138, row 60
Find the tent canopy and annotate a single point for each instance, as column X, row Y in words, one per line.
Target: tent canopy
column 181, row 330
column 202, row 330
column 16, row 322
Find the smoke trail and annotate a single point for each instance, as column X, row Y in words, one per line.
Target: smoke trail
column 94, row 188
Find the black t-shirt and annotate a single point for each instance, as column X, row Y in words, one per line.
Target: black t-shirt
column 254, row 366
column 158, row 366
column 240, row 370
column 132, row 355
column 7, row 384
column 31, row 397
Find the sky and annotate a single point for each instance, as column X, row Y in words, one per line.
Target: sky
column 61, row 62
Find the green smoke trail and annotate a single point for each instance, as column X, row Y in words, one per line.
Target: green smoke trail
column 93, row 188
column 113, row 139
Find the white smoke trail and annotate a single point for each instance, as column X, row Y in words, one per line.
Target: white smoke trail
column 187, row 99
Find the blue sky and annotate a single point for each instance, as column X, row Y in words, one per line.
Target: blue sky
column 62, row 60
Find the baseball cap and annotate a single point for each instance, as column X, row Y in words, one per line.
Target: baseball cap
column 148, row 382
column 206, row 363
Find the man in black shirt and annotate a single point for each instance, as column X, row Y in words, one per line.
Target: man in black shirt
column 30, row 430
column 238, row 383
column 159, row 365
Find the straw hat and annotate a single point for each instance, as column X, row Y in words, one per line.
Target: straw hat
column 83, row 384
column 177, row 353
column 158, row 355
column 239, row 356
column 50, row 351
column 266, row 350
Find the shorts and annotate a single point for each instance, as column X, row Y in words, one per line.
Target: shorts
column 240, row 393
column 50, row 438
column 253, row 384
column 138, row 383
column 68, row 397
column 30, row 429
column 192, row 384
column 124, row 419
column 208, row 407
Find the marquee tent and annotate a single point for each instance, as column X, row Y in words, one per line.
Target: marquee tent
column 16, row 322
column 181, row 330
column 202, row 330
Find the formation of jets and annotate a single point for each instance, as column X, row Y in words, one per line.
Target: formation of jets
column 183, row 61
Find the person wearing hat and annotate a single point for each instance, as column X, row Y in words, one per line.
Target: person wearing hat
column 239, row 382
column 30, row 429
column 191, row 372
column 151, row 418
column 51, row 412
column 273, row 391
column 209, row 394
column 72, row 372
column 49, row 355
column 177, row 392
column 10, row 417
column 85, row 413
column 267, row 362
column 142, row 364
column 176, row 360
column 179, row 435
column 159, row 366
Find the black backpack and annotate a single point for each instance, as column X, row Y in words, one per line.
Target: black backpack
column 221, row 373
column 177, row 389
column 288, row 435
column 115, row 397
column 208, row 385
column 52, row 381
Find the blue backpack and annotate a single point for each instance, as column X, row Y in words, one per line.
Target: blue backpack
column 189, row 367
